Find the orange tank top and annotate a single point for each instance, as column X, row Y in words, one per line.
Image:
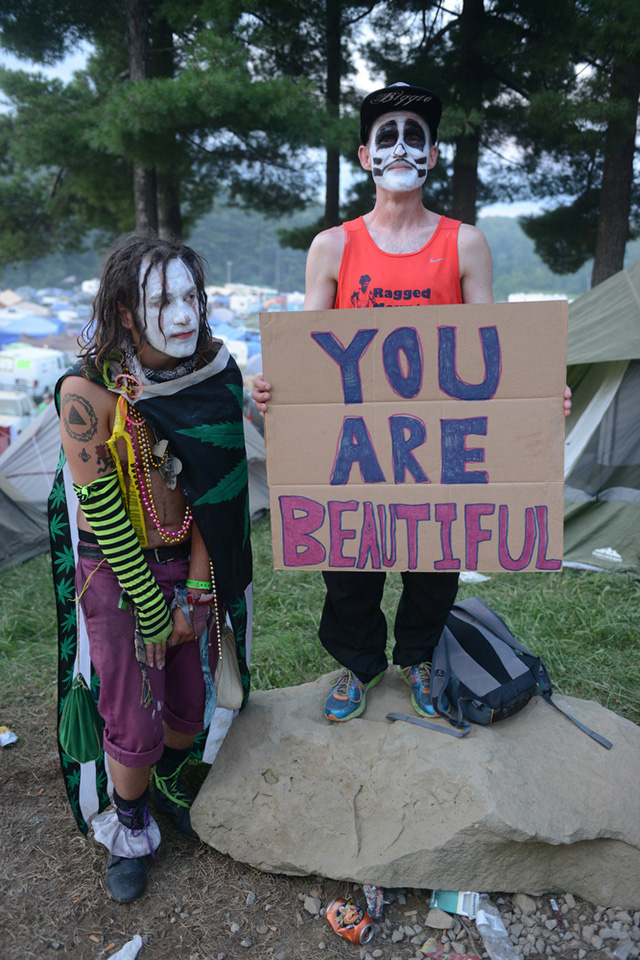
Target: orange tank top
column 370, row 277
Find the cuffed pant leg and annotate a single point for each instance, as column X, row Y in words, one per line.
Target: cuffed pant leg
column 353, row 628
column 424, row 606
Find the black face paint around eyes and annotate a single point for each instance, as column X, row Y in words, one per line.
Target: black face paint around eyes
column 387, row 134
column 415, row 131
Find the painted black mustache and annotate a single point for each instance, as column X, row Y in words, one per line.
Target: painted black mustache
column 419, row 164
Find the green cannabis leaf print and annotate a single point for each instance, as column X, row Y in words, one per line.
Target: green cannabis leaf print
column 228, row 435
column 64, row 560
column 228, row 487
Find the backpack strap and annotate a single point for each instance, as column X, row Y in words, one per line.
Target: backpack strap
column 591, row 733
column 440, row 677
column 465, row 726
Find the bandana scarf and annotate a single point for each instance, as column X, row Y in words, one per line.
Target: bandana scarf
column 200, row 415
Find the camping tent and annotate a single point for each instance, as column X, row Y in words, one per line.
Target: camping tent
column 30, row 461
column 24, row 530
column 602, row 447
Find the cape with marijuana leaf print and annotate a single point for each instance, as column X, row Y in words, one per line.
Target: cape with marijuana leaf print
column 201, row 417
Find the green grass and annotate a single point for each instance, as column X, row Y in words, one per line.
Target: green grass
column 586, row 626
column 28, row 634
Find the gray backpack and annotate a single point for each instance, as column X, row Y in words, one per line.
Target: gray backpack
column 481, row 674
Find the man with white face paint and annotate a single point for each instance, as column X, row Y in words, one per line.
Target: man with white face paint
column 400, row 148
column 152, row 429
column 410, row 256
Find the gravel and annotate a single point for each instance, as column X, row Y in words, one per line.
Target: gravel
column 579, row 931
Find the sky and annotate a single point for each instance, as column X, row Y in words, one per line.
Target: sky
column 64, row 70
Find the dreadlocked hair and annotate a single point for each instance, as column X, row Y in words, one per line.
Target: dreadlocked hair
column 120, row 283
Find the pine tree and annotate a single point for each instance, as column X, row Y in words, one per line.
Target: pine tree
column 168, row 100
column 586, row 141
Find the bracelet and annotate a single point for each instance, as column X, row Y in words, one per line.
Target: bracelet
column 198, row 584
column 202, row 601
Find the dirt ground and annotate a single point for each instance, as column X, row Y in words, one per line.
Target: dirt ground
column 199, row 904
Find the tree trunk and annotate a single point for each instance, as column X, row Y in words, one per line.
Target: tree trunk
column 144, row 198
column 144, row 178
column 170, row 224
column 334, row 65
column 617, row 176
column 465, row 164
column 464, row 183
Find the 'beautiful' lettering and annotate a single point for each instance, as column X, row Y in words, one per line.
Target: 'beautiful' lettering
column 360, row 538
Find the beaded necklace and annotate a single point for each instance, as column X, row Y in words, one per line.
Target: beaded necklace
column 144, row 460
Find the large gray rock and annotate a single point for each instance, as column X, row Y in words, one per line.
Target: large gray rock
column 530, row 805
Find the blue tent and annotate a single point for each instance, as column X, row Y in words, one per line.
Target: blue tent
column 30, row 326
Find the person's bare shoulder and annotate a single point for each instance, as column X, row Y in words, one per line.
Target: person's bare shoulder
column 329, row 240
column 89, row 391
column 476, row 265
column 323, row 267
column 471, row 239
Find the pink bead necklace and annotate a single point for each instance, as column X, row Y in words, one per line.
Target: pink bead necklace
column 143, row 459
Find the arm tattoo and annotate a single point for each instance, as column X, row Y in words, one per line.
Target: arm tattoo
column 104, row 458
column 79, row 418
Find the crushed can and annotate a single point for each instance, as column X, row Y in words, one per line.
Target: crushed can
column 350, row 922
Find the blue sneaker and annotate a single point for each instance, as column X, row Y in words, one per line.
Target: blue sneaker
column 418, row 678
column 347, row 697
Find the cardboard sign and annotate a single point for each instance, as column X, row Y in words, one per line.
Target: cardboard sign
column 417, row 438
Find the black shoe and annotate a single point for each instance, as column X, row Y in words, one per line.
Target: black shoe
column 126, row 878
column 177, row 810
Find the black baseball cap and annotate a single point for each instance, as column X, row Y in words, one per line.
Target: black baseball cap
column 400, row 96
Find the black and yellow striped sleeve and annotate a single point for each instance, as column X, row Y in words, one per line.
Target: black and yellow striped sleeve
column 102, row 505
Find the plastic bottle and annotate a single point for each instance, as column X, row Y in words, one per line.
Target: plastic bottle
column 492, row 930
column 623, row 950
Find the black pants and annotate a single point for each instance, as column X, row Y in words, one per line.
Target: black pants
column 353, row 628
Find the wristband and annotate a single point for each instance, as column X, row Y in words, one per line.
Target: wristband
column 198, row 584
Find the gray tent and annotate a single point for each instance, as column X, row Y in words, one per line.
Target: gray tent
column 30, row 461
column 24, row 530
column 602, row 448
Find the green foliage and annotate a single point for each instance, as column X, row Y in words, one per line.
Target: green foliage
column 250, row 243
column 575, row 136
column 565, row 237
column 205, row 121
column 56, row 190
column 44, row 31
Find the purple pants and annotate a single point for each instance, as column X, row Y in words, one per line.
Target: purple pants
column 134, row 735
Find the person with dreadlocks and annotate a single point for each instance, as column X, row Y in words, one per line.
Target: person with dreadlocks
column 152, row 435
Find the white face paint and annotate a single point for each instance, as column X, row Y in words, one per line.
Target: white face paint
column 399, row 146
column 172, row 317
